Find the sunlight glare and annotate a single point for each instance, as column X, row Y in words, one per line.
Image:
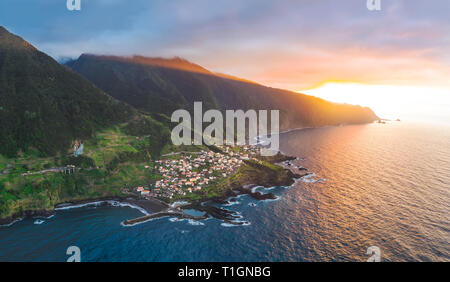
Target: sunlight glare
column 389, row 101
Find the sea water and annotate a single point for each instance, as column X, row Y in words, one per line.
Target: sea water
column 383, row 185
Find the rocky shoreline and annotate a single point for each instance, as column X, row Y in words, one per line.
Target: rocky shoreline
column 149, row 206
column 155, row 208
column 26, row 214
column 246, row 189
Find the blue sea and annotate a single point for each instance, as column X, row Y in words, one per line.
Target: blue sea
column 383, row 185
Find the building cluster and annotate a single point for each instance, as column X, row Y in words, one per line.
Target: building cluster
column 192, row 172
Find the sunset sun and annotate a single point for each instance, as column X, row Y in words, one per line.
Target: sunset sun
column 388, row 101
column 217, row 140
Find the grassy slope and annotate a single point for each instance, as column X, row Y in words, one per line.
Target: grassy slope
column 45, row 106
column 121, row 159
column 128, row 154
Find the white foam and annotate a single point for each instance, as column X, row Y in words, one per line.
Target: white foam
column 255, row 188
column 231, row 203
column 120, row 204
column 240, row 196
column 244, row 223
column 9, row 224
column 38, row 221
column 79, row 205
column 195, row 222
column 178, row 204
column 97, row 203
column 270, row 188
column 310, row 179
column 238, row 216
column 190, row 221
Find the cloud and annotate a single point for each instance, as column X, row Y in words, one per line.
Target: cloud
column 287, row 44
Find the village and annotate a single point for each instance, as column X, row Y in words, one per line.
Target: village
column 190, row 172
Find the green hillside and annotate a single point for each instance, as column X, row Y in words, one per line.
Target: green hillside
column 45, row 106
column 163, row 85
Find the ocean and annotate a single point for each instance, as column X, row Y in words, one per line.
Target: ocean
column 382, row 185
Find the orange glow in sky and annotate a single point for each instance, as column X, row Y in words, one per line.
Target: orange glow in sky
column 390, row 101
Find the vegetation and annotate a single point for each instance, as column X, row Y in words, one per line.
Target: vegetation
column 251, row 172
column 43, row 105
column 160, row 86
column 112, row 160
column 45, row 108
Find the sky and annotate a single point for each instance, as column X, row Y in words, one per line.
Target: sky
column 311, row 46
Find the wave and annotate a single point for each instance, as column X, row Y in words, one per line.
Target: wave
column 38, row 221
column 238, row 215
column 240, row 196
column 11, row 223
column 68, row 207
column 98, row 203
column 244, row 223
column 178, row 204
column 20, row 219
column 231, row 203
column 120, row 204
column 255, row 188
column 310, row 178
column 190, row 221
column 195, row 222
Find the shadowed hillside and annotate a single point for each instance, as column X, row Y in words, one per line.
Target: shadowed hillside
column 163, row 85
column 44, row 105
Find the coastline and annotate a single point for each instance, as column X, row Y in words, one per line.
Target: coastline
column 145, row 206
column 154, row 208
column 236, row 190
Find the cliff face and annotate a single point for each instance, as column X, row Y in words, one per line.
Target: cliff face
column 163, row 85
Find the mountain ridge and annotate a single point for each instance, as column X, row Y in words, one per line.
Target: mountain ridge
column 44, row 105
column 148, row 86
